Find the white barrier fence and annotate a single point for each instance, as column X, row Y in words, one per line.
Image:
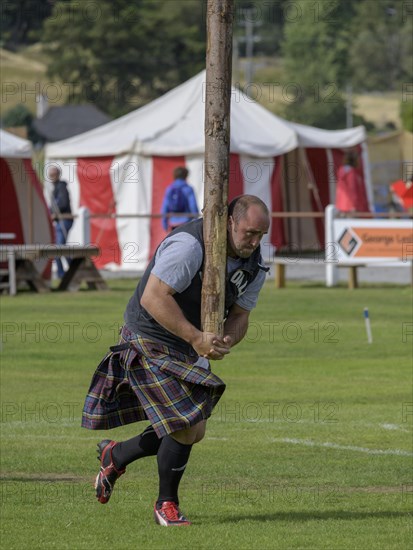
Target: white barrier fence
column 355, row 242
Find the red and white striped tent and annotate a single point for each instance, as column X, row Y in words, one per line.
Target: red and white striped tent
column 123, row 167
column 23, row 210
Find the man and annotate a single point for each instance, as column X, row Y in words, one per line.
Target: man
column 60, row 204
column 161, row 372
column 179, row 198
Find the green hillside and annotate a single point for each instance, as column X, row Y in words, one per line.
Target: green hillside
column 24, row 76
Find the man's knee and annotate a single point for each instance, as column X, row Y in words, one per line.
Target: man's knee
column 192, row 435
column 200, row 433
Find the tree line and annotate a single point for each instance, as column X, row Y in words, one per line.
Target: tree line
column 121, row 53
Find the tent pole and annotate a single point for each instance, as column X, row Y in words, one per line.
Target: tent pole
column 30, row 211
column 311, row 183
column 288, row 208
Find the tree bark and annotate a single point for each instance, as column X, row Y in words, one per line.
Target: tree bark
column 216, row 174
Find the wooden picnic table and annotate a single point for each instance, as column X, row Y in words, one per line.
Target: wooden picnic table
column 21, row 259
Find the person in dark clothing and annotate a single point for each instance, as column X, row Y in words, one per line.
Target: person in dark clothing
column 160, row 371
column 60, row 204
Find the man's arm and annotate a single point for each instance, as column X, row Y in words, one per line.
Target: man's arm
column 236, row 324
column 158, row 301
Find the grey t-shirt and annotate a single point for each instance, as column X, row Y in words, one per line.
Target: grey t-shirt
column 179, row 258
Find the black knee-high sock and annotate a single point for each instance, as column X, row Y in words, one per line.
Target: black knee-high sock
column 145, row 444
column 172, row 460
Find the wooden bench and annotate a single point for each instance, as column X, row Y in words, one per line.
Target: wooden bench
column 352, row 280
column 21, row 260
column 352, row 267
column 280, row 267
column 281, row 264
column 7, row 274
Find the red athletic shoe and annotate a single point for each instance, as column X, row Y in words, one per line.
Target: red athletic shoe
column 108, row 473
column 169, row 514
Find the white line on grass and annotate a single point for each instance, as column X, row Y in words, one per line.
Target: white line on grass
column 12, row 424
column 394, row 427
column 310, row 443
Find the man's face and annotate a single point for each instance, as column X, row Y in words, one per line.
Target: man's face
column 54, row 174
column 245, row 235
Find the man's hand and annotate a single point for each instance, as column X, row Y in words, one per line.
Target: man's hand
column 158, row 300
column 212, row 346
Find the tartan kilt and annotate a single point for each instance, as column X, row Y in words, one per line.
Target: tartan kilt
column 149, row 381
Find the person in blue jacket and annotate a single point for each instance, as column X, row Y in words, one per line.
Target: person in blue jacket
column 179, row 198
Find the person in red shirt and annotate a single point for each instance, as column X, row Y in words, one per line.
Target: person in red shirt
column 350, row 191
column 402, row 193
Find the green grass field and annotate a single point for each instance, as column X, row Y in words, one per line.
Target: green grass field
column 310, row 447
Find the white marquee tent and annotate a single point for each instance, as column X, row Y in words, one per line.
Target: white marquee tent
column 23, row 210
column 123, row 168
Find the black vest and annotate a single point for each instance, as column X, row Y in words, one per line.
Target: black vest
column 138, row 320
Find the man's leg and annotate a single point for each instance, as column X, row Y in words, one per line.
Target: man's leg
column 67, row 227
column 60, row 239
column 145, row 444
column 173, row 456
column 114, row 457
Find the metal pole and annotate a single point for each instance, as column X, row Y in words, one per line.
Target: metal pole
column 331, row 260
column 249, row 49
column 11, row 260
column 30, row 211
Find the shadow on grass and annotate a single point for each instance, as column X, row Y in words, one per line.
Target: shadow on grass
column 314, row 516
